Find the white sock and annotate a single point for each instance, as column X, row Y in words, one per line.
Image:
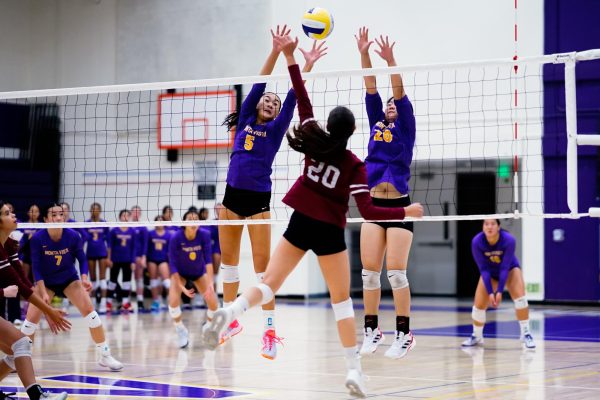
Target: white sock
column 478, row 331
column 269, row 318
column 103, row 301
column 178, row 323
column 524, row 327
column 125, row 300
column 239, row 306
column 103, row 348
column 227, row 303
column 140, row 297
column 352, row 358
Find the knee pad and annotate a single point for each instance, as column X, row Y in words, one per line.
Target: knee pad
column 371, row 279
column 209, row 314
column 93, row 320
column 521, row 303
column 103, row 284
column 175, row 312
column 126, row 286
column 478, row 315
column 22, row 347
column 267, row 293
column 397, row 278
column 260, row 276
column 10, row 361
column 139, row 283
column 229, row 273
column 111, row 285
column 95, row 285
column 343, row 310
column 167, row 284
column 28, row 328
column 154, row 283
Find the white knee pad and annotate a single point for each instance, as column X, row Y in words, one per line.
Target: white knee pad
column 10, row 361
column 167, row 284
column 175, row 312
column 343, row 310
column 397, row 278
column 126, row 285
column 22, row 347
column 112, row 285
column 371, row 279
column 103, row 284
column 260, row 276
column 521, row 303
column 478, row 315
column 93, row 320
column 154, row 283
column 267, row 293
column 95, row 285
column 139, row 283
column 229, row 273
column 28, row 328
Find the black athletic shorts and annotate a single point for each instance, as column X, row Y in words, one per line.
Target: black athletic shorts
column 59, row 290
column 246, row 203
column 310, row 234
column 393, row 203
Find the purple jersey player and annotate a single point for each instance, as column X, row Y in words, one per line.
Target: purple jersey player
column 53, row 254
column 121, row 253
column 158, row 266
column 494, row 252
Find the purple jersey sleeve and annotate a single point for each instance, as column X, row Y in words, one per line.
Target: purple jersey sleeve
column 283, row 120
column 173, row 259
column 374, row 107
column 80, row 254
column 248, row 107
column 507, row 260
column 480, row 260
column 36, row 258
column 406, row 118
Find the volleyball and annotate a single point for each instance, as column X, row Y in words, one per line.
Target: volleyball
column 317, row 23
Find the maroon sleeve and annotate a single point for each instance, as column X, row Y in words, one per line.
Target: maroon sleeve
column 12, row 249
column 305, row 110
column 360, row 190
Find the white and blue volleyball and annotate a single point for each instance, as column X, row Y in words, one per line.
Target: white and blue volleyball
column 317, row 23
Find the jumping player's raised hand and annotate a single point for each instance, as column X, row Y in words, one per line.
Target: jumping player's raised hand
column 279, row 32
column 362, row 40
column 386, row 51
column 287, row 44
column 315, row 53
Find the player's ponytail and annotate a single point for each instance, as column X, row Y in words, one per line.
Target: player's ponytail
column 231, row 120
column 312, row 140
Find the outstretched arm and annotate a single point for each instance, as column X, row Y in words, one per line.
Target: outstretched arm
column 363, row 43
column 386, row 51
column 269, row 64
column 311, row 56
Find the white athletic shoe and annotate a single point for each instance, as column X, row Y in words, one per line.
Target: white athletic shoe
column 212, row 335
column 54, row 396
column 102, row 309
column 473, row 341
column 403, row 343
column 528, row 342
column 108, row 361
column 356, row 384
column 371, row 340
column 270, row 341
column 182, row 336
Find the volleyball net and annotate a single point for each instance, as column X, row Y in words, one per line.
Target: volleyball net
column 478, row 150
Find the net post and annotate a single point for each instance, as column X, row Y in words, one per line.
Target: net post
column 571, row 122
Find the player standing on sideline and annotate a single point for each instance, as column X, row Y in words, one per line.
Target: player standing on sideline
column 190, row 256
column 141, row 238
column 494, row 252
column 13, row 343
column 158, row 262
column 320, row 202
column 53, row 255
column 167, row 215
column 33, row 217
column 97, row 255
column 390, row 151
column 121, row 255
column 260, row 127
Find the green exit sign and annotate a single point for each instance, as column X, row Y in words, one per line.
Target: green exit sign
column 503, row 171
column 533, row 288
